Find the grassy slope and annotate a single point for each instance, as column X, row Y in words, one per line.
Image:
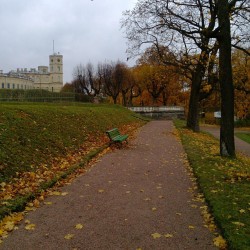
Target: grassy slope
column 225, row 183
column 244, row 136
column 35, row 134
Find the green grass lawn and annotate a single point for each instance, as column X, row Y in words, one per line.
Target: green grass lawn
column 225, row 183
column 243, row 136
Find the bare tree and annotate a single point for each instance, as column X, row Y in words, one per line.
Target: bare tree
column 134, row 92
column 113, row 77
column 80, row 83
column 87, row 80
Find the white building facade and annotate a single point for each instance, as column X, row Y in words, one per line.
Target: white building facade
column 44, row 77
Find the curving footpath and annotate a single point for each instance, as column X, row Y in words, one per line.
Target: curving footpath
column 137, row 197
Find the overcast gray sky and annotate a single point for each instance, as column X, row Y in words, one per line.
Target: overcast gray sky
column 83, row 31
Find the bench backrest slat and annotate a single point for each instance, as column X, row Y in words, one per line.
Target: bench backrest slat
column 113, row 133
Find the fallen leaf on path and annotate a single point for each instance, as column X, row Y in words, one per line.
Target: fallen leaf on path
column 69, row 236
column 48, row 203
column 79, row 226
column 168, row 235
column 64, row 193
column 100, row 191
column 191, row 227
column 220, row 242
column 36, row 203
column 156, row 235
column 41, row 198
column 30, row 208
column 154, row 208
column 30, row 227
column 55, row 193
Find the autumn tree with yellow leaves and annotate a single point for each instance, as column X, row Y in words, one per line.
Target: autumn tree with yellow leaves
column 191, row 28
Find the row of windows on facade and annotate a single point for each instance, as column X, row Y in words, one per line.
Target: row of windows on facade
column 20, row 86
column 16, row 86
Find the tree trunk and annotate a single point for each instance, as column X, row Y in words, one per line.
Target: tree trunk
column 114, row 99
column 227, row 146
column 193, row 109
column 164, row 98
column 194, row 100
column 124, row 99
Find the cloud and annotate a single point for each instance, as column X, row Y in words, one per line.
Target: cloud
column 83, row 30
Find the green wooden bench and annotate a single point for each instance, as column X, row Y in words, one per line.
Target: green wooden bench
column 115, row 136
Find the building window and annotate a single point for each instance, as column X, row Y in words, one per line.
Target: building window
column 13, row 85
column 8, row 85
column 58, row 68
column 2, row 85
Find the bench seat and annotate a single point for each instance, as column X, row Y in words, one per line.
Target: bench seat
column 115, row 136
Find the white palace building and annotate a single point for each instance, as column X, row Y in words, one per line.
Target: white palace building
column 44, row 77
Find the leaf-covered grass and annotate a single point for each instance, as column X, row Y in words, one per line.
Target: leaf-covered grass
column 244, row 136
column 41, row 144
column 225, row 183
column 36, row 134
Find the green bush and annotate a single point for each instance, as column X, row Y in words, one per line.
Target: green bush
column 242, row 123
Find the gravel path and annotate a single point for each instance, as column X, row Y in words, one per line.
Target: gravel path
column 137, row 197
